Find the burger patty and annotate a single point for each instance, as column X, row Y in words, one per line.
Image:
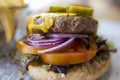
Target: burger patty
column 71, row 24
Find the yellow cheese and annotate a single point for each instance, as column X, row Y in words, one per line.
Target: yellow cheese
column 48, row 21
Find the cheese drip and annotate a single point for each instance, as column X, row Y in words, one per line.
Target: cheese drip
column 47, row 23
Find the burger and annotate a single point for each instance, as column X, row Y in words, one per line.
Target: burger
column 62, row 44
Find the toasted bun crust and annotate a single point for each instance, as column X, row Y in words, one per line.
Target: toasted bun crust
column 87, row 71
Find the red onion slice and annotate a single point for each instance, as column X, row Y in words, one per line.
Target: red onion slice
column 35, row 37
column 44, row 40
column 35, row 40
column 57, row 47
column 39, row 44
column 66, row 35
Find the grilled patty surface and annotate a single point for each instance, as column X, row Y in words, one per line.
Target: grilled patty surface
column 70, row 24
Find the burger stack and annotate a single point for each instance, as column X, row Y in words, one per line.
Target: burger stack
column 62, row 44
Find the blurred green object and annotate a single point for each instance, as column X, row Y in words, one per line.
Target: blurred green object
column 57, row 8
column 79, row 10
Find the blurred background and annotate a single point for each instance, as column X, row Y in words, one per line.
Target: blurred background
column 13, row 23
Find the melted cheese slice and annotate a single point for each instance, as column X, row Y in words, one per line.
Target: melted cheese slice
column 47, row 23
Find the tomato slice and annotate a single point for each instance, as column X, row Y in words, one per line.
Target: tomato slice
column 27, row 49
column 73, row 54
column 70, row 56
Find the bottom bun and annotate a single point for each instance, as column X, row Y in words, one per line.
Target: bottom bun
column 91, row 70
